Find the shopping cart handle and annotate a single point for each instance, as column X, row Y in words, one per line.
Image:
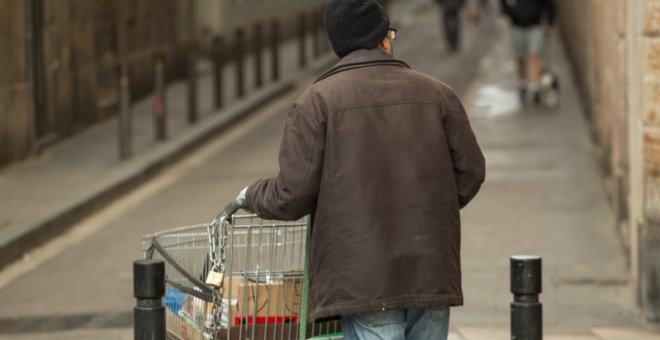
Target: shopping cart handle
column 233, row 207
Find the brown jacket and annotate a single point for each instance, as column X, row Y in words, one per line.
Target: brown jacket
column 384, row 157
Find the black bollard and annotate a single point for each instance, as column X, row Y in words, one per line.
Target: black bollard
column 316, row 34
column 218, row 63
column 192, row 82
column 239, row 53
column 526, row 309
column 192, row 56
column 124, row 123
column 149, row 289
column 302, row 41
column 258, row 72
column 160, row 100
column 275, row 54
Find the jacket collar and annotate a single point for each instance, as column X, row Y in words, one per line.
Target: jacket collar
column 363, row 58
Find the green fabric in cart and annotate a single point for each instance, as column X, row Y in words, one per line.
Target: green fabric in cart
column 335, row 336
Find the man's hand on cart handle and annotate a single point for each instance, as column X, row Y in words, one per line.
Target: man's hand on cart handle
column 239, row 203
column 242, row 195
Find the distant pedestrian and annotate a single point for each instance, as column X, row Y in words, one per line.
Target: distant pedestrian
column 482, row 9
column 384, row 157
column 530, row 20
column 451, row 21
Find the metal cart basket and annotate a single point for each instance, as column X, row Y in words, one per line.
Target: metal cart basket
column 239, row 277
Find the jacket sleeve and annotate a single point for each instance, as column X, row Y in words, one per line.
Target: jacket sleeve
column 294, row 191
column 468, row 161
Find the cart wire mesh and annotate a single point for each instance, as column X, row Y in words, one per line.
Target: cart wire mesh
column 262, row 293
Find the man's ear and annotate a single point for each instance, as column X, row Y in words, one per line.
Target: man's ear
column 386, row 45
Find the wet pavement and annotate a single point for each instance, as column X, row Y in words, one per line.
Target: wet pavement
column 544, row 195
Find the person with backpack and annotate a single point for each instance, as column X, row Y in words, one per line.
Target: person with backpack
column 530, row 21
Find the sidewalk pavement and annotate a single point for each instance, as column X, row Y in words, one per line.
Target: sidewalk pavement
column 544, row 195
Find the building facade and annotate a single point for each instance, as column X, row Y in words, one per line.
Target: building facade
column 59, row 59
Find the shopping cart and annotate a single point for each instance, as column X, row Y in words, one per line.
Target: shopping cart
column 239, row 277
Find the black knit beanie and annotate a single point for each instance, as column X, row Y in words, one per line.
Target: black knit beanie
column 355, row 24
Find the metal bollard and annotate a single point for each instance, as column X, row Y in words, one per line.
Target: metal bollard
column 316, row 35
column 192, row 82
column 258, row 72
column 275, row 53
column 191, row 23
column 218, row 61
column 238, row 56
column 526, row 309
column 302, row 41
column 124, row 119
column 149, row 289
column 160, row 100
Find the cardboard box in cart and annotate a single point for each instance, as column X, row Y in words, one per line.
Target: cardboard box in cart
column 264, row 303
column 275, row 301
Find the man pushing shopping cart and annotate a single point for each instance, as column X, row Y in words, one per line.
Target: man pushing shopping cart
column 384, row 158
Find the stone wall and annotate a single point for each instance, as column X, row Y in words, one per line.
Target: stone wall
column 83, row 44
column 615, row 49
column 649, row 254
column 79, row 45
column 651, row 106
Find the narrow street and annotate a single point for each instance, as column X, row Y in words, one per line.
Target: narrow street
column 544, row 195
column 84, row 279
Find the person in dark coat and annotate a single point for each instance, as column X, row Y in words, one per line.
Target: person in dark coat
column 384, row 158
column 451, row 21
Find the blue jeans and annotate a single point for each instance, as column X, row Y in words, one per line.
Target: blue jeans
column 398, row 324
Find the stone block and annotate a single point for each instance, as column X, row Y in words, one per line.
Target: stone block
column 652, row 58
column 652, row 181
column 651, row 103
column 652, row 198
column 649, row 262
column 651, row 17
